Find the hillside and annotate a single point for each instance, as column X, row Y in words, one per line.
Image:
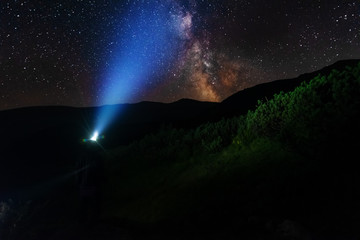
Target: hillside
column 247, row 99
column 286, row 170
column 55, row 133
column 283, row 170
column 72, row 124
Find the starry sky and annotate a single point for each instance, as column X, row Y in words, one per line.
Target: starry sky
column 60, row 52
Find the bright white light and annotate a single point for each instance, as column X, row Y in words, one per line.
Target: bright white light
column 95, row 136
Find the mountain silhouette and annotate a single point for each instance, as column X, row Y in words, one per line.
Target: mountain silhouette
column 247, row 99
column 46, row 138
column 177, row 166
column 62, row 125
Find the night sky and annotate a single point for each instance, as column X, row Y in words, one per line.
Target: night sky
column 60, row 52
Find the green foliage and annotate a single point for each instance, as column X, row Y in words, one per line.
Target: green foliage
column 311, row 112
column 170, row 173
column 215, row 136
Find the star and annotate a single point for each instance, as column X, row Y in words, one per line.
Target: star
column 61, row 52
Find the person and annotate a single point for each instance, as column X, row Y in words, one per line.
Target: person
column 89, row 180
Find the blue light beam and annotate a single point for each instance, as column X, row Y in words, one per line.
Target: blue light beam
column 144, row 45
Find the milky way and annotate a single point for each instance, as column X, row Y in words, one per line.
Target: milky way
column 60, row 52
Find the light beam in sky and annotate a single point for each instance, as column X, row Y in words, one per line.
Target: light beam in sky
column 145, row 45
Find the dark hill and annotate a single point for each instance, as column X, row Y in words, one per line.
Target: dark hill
column 286, row 165
column 29, row 124
column 247, row 99
column 46, row 138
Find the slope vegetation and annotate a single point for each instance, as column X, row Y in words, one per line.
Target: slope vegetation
column 291, row 161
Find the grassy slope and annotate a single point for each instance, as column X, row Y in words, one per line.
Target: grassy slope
column 291, row 158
